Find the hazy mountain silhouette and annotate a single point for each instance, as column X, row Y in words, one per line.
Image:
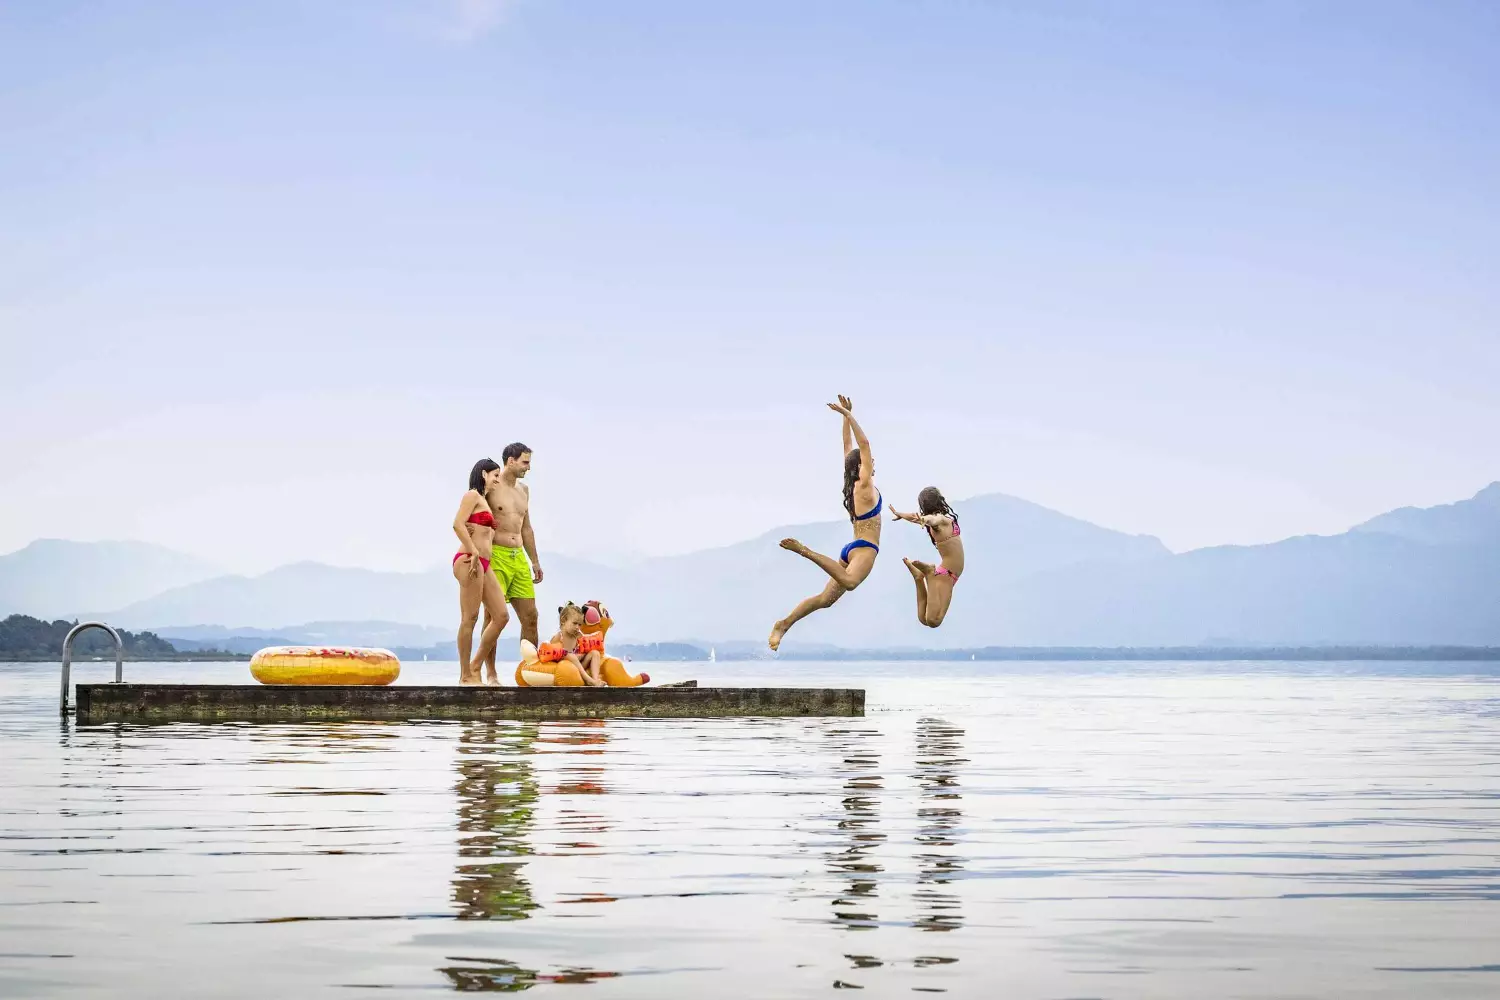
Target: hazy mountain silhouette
column 52, row 578
column 1035, row 577
column 1475, row 521
column 313, row 592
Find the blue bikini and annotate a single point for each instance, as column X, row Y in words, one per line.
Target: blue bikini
column 860, row 543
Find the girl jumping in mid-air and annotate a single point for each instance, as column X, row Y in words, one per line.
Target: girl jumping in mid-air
column 858, row 557
column 935, row 583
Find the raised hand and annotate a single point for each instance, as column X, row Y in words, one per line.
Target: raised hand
column 846, row 402
column 839, row 408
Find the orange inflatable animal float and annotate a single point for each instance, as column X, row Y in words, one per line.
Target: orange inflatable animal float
column 549, row 666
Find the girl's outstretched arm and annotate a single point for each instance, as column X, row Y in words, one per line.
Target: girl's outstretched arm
column 866, row 460
column 847, row 404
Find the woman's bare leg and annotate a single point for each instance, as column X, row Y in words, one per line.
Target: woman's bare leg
column 495, row 618
column 861, row 561
column 470, row 594
column 921, row 579
column 826, row 599
column 939, row 596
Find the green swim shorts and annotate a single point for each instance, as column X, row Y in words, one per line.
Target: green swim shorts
column 513, row 571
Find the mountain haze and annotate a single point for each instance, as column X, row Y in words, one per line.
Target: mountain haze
column 1034, row 577
column 52, row 578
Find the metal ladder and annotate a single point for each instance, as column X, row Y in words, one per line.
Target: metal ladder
column 67, row 657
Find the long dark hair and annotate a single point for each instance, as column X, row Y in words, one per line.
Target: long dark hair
column 851, row 476
column 930, row 501
column 476, row 477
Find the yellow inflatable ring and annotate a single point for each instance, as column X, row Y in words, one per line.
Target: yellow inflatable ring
column 324, row 665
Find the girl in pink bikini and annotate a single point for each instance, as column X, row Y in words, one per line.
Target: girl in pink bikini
column 935, row 583
column 474, row 524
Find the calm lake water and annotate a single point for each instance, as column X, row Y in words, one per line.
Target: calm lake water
column 990, row 830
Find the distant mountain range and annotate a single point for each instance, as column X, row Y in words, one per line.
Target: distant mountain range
column 51, row 577
column 1035, row 577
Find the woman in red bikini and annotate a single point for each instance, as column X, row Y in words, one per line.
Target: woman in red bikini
column 935, row 583
column 474, row 524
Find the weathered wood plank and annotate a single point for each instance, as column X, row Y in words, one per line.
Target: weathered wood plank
column 258, row 702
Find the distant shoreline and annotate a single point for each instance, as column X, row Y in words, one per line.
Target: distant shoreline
column 110, row 658
column 1064, row 654
column 684, row 653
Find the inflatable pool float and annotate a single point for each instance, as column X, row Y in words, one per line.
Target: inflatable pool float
column 324, row 665
column 546, row 667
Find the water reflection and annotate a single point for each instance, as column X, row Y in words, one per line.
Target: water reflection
column 858, row 826
column 939, row 815
column 493, row 975
column 499, row 793
column 581, row 743
column 497, row 800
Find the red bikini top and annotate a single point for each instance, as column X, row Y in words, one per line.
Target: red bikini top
column 483, row 518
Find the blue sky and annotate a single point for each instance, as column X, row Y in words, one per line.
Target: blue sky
column 273, row 275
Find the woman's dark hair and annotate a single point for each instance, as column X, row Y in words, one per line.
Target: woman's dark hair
column 851, row 476
column 930, row 501
column 476, row 478
column 514, row 450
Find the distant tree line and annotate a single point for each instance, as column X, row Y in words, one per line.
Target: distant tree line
column 25, row 638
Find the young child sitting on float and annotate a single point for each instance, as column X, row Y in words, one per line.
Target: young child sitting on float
column 583, row 651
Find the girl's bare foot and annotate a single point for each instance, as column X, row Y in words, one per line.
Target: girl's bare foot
column 792, row 545
column 777, row 631
column 492, row 682
column 926, row 569
column 916, row 573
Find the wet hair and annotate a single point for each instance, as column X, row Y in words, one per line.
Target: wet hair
column 476, row 477
column 930, row 501
column 851, row 476
column 514, row 450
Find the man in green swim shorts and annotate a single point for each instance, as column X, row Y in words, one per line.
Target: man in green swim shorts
column 518, row 571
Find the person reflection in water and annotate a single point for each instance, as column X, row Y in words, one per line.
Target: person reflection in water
column 582, row 744
column 497, row 799
column 859, row 829
column 939, row 746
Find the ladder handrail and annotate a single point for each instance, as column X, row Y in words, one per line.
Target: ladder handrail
column 67, row 656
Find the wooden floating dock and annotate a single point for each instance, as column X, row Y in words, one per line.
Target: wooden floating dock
column 275, row 703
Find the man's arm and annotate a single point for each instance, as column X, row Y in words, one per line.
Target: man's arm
column 528, row 542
